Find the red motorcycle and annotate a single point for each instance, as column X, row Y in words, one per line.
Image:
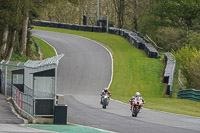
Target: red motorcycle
column 136, row 105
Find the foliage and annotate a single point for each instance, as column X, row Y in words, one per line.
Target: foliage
column 33, row 54
column 166, row 22
column 45, row 50
column 120, row 6
column 170, row 38
column 178, row 12
column 18, row 58
column 194, row 40
column 15, row 17
column 193, row 69
column 68, row 11
column 184, row 57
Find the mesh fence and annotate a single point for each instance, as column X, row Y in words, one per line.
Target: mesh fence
column 6, row 75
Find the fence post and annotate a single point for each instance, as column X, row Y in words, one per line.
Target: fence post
column 6, row 72
column 11, row 84
column 1, row 74
column 55, row 82
column 107, row 24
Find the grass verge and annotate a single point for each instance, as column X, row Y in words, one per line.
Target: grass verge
column 46, row 50
column 133, row 72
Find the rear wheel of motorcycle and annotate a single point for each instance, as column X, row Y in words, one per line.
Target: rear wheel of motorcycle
column 104, row 106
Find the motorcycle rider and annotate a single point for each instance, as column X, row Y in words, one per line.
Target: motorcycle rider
column 104, row 92
column 137, row 95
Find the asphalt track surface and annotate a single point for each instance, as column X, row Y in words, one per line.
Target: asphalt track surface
column 84, row 71
column 9, row 122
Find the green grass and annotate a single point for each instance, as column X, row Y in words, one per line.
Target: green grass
column 31, row 52
column 47, row 51
column 18, row 58
column 134, row 71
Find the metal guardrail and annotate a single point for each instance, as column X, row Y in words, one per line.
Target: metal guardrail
column 191, row 94
column 36, row 46
column 168, row 76
column 23, row 100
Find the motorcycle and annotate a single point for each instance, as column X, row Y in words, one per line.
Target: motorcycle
column 105, row 100
column 136, row 105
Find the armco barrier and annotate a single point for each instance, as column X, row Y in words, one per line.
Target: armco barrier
column 55, row 24
column 82, row 27
column 168, row 75
column 191, row 94
column 131, row 36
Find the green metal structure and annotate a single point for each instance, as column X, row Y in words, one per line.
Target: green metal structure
column 189, row 94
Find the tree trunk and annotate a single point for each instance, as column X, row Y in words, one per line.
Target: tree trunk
column 10, row 50
column 9, row 54
column 4, row 39
column 119, row 8
column 135, row 17
column 24, row 34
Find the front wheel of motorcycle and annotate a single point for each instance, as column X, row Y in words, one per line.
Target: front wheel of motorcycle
column 136, row 111
column 104, row 106
column 133, row 115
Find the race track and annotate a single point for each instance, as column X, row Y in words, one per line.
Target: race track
column 84, row 71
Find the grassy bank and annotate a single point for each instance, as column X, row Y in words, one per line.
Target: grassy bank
column 134, row 71
column 46, row 50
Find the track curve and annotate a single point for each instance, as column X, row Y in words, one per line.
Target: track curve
column 84, row 71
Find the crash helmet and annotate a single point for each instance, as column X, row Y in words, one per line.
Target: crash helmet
column 137, row 94
column 105, row 89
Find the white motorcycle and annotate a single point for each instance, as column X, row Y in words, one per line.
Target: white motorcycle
column 105, row 100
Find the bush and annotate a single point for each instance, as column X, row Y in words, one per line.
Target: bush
column 186, row 58
column 193, row 69
column 170, row 38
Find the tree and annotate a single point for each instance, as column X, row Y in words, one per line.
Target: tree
column 120, row 6
column 4, row 21
column 194, row 40
column 194, row 71
column 15, row 16
column 177, row 12
column 170, row 38
column 10, row 20
column 184, row 57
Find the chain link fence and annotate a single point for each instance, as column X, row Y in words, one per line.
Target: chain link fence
column 6, row 68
